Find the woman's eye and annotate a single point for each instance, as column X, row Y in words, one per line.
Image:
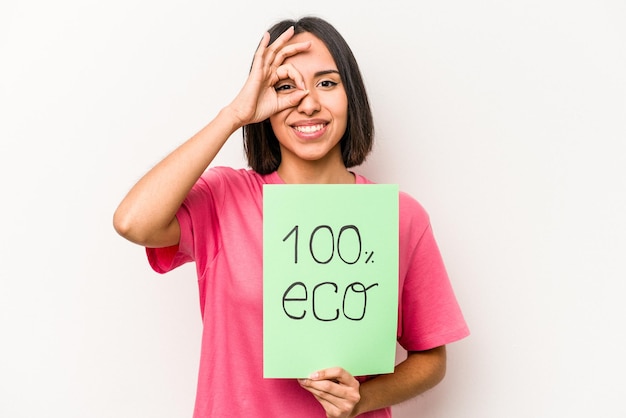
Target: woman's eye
column 327, row 83
column 283, row 87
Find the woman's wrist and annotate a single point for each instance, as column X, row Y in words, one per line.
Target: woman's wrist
column 231, row 118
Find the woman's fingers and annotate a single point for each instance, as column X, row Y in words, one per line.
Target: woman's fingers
column 337, row 374
column 335, row 389
column 290, row 50
column 258, row 98
column 272, row 56
column 289, row 72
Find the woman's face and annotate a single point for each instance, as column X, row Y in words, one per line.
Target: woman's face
column 311, row 130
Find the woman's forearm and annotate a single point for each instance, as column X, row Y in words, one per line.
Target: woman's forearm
column 421, row 371
column 146, row 215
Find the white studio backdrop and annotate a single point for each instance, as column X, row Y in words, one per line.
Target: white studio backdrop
column 506, row 120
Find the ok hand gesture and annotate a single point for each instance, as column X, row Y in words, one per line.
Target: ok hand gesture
column 258, row 99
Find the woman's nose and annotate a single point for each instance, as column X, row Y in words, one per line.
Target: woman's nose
column 310, row 103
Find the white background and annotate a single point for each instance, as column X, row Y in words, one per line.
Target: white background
column 505, row 119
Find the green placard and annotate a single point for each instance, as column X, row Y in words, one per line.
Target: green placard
column 330, row 278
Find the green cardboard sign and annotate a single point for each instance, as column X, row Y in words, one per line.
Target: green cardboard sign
column 330, row 278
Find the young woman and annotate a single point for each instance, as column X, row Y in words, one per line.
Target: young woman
column 306, row 119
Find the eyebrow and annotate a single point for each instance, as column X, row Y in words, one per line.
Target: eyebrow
column 324, row 72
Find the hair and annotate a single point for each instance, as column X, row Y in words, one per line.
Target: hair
column 260, row 143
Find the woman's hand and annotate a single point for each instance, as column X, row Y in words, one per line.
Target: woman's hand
column 336, row 390
column 258, row 99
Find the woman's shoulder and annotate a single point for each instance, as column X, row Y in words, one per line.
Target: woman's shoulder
column 234, row 175
column 225, row 183
column 228, row 173
column 411, row 210
column 223, row 176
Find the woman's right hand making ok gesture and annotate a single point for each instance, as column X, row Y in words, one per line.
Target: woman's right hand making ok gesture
column 258, row 99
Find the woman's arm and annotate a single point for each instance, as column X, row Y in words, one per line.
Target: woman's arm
column 147, row 215
column 342, row 397
column 422, row 370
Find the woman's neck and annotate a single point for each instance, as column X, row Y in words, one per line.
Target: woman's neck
column 315, row 172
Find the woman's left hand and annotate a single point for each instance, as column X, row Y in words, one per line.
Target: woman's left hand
column 336, row 390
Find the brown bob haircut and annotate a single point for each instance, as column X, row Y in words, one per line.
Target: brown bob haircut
column 261, row 145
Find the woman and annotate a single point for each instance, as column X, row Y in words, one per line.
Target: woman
column 306, row 119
